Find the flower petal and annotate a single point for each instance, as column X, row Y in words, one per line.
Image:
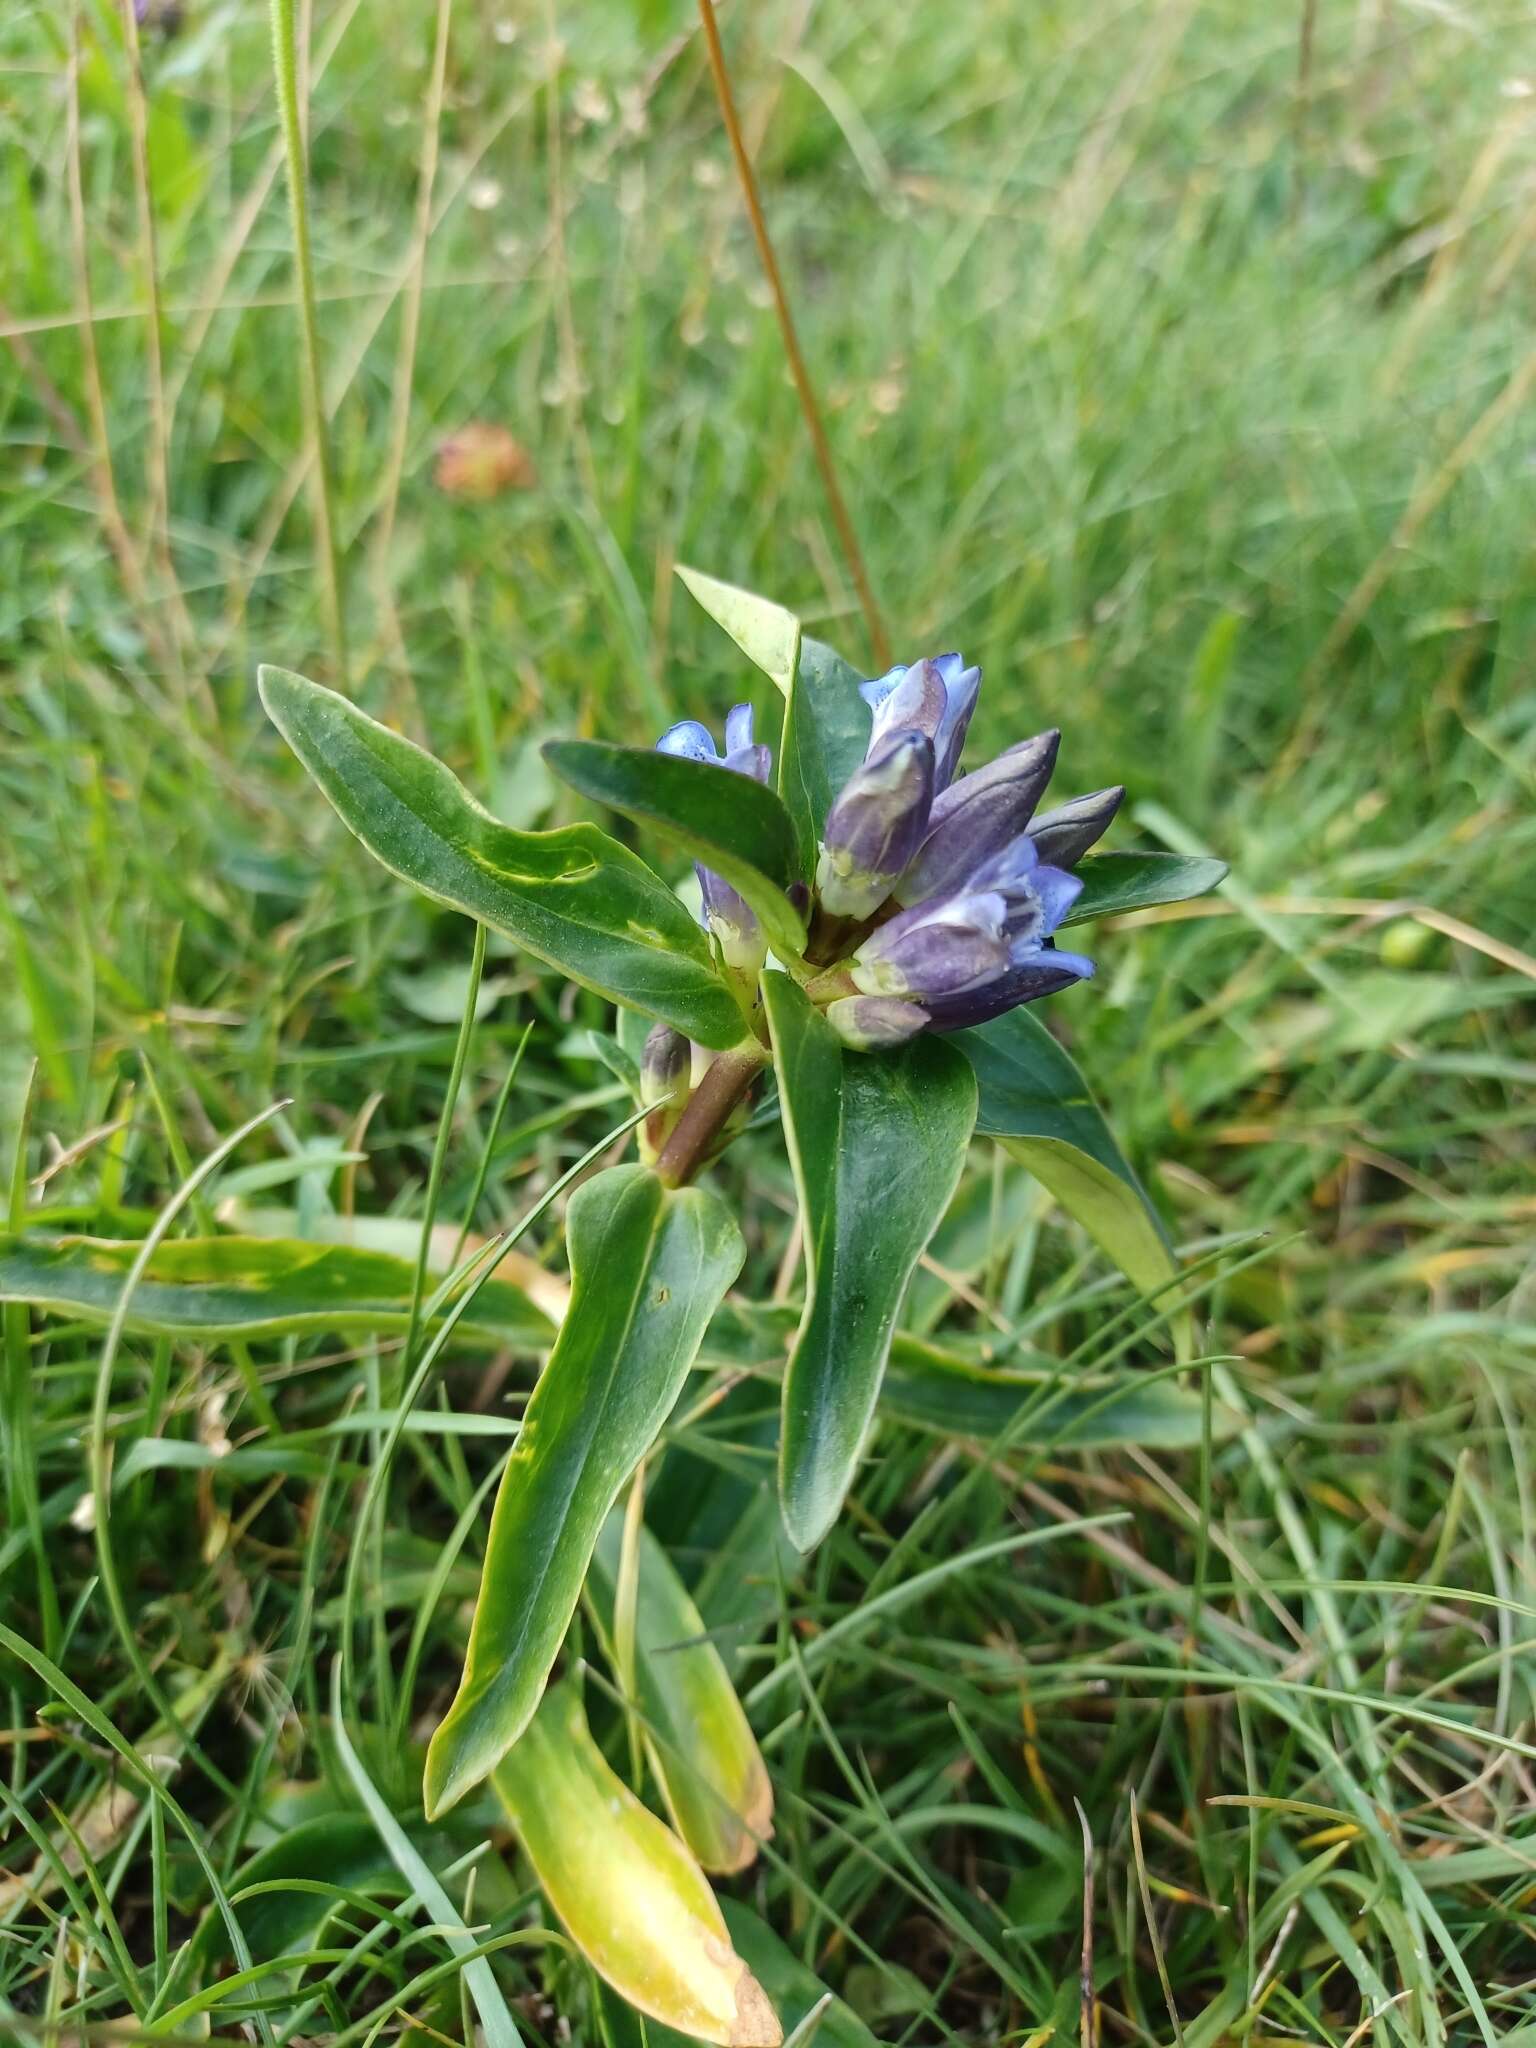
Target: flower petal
column 738, row 728
column 696, row 742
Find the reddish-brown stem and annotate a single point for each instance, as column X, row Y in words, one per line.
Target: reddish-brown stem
column 802, row 376
column 709, row 1110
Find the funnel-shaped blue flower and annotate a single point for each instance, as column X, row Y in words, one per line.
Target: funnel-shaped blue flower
column 966, row 956
column 970, row 913
column 733, row 924
column 936, row 697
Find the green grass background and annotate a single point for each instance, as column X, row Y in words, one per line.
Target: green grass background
column 1175, row 356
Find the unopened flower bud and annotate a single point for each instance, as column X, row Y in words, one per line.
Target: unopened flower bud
column 872, row 1023
column 1064, row 835
column 875, row 826
column 666, row 1063
column 978, row 816
column 732, row 923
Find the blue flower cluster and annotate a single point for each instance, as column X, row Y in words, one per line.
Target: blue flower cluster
column 937, row 893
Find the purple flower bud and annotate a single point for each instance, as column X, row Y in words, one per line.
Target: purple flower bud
column 870, row 1023
column 876, row 825
column 978, row 816
column 936, row 697
column 935, row 951
column 1065, row 834
column 1045, row 974
column 665, row 1067
column 734, row 925
column 665, row 1063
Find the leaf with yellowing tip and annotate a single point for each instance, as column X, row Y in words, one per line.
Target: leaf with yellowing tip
column 626, row 1890
column 649, row 1266
column 767, row 635
column 701, row 1744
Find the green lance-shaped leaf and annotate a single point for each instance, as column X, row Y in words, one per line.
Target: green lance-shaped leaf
column 766, row 633
column 649, row 1266
column 826, row 732
column 728, row 821
column 701, row 1744
column 245, row 1287
column 1136, row 881
column 876, row 1141
column 574, row 897
column 626, row 1890
column 957, row 1389
column 1031, row 1403
column 1034, row 1099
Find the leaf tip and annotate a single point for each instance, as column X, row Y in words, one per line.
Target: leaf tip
column 281, row 690
column 807, row 1512
column 441, row 1785
column 757, row 2024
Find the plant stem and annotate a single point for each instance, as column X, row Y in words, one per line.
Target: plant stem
column 802, row 376
column 709, row 1109
column 286, row 64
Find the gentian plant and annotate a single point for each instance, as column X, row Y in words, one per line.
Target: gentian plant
column 874, row 924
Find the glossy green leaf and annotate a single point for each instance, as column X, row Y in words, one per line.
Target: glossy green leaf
column 728, row 821
column 649, row 1266
column 955, row 1396
column 700, row 1741
column 955, row 1389
column 1135, row 881
column 766, row 633
column 574, row 897
column 1034, row 1099
column 245, row 1287
column 626, row 1890
column 877, row 1142
column 795, row 1989
column 826, row 732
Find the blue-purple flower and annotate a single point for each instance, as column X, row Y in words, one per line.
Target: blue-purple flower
column 938, row 895
column 935, row 697
column 968, row 883
column 734, row 926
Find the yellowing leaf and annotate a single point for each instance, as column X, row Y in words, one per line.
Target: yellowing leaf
column 767, row 635
column 700, row 1741
column 626, row 1890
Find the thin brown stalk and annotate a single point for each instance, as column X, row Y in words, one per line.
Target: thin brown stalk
column 571, row 377
column 1152, row 1934
column 410, row 313
column 103, row 480
column 1088, row 2004
column 159, row 456
column 809, row 404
